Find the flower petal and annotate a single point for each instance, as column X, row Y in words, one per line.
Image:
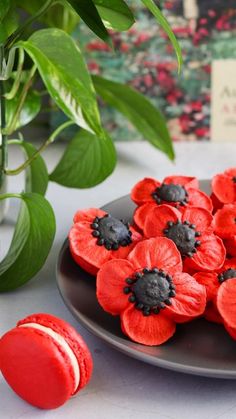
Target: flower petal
column 110, row 284
column 229, row 263
column 197, row 198
column 212, row 314
column 224, row 221
column 216, row 203
column 141, row 212
column 210, row 255
column 142, row 191
column 156, row 220
column 231, row 172
column 230, row 245
column 148, row 330
column 226, row 302
column 224, row 188
column 158, row 252
column 198, row 216
column 187, row 181
column 190, row 299
column 83, row 246
column 210, row 281
column 88, row 215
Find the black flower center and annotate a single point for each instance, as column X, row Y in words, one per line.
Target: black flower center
column 184, row 236
column 111, row 232
column 229, row 273
column 151, row 290
column 170, row 193
column 234, row 179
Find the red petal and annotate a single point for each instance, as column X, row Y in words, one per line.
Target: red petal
column 226, row 302
column 187, row 181
column 190, row 299
column 216, row 203
column 231, row 331
column 83, row 246
column 159, row 252
column 224, row 221
column 110, row 284
column 140, row 214
column 148, row 330
column 230, row 172
column 230, row 245
column 210, row 281
column 157, row 219
column 199, row 199
column 224, row 188
column 212, row 314
column 88, row 215
column 198, row 216
column 229, row 263
column 142, row 191
column 210, row 254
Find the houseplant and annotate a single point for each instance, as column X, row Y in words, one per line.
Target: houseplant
column 51, row 54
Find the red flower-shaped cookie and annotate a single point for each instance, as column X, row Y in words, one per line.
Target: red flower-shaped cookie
column 177, row 191
column 192, row 233
column 96, row 237
column 150, row 292
column 212, row 282
column 224, row 187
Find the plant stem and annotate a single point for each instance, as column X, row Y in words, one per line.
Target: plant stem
column 10, row 95
column 3, row 137
column 10, row 195
column 50, row 140
column 28, row 22
column 12, row 126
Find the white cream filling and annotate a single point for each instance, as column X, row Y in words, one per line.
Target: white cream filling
column 62, row 342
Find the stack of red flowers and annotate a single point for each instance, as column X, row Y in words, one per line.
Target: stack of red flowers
column 175, row 263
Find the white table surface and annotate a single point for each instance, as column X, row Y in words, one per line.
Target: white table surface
column 121, row 387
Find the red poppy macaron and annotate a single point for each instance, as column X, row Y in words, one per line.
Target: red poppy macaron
column 44, row 360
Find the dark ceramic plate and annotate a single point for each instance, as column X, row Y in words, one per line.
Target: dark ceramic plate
column 199, row 347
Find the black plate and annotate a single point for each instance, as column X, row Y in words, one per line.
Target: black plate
column 199, row 347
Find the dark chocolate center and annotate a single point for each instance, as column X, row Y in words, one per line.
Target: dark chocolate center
column 184, row 236
column 170, row 193
column 151, row 290
column 111, row 232
column 229, row 273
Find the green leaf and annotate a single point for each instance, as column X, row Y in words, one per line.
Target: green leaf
column 64, row 72
column 36, row 174
column 29, row 111
column 4, row 7
column 138, row 110
column 9, row 23
column 32, row 240
column 115, row 14
column 88, row 12
column 87, row 161
column 57, row 16
column 166, row 27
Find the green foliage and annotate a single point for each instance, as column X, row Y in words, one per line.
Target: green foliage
column 115, row 14
column 32, row 240
column 87, row 161
column 29, row 111
column 138, row 110
column 36, row 176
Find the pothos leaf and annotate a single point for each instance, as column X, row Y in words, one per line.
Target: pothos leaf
column 32, row 240
column 29, row 110
column 87, row 161
column 166, row 27
column 65, row 75
column 138, row 110
column 115, row 14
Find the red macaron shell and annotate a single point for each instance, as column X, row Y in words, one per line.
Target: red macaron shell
column 37, row 367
